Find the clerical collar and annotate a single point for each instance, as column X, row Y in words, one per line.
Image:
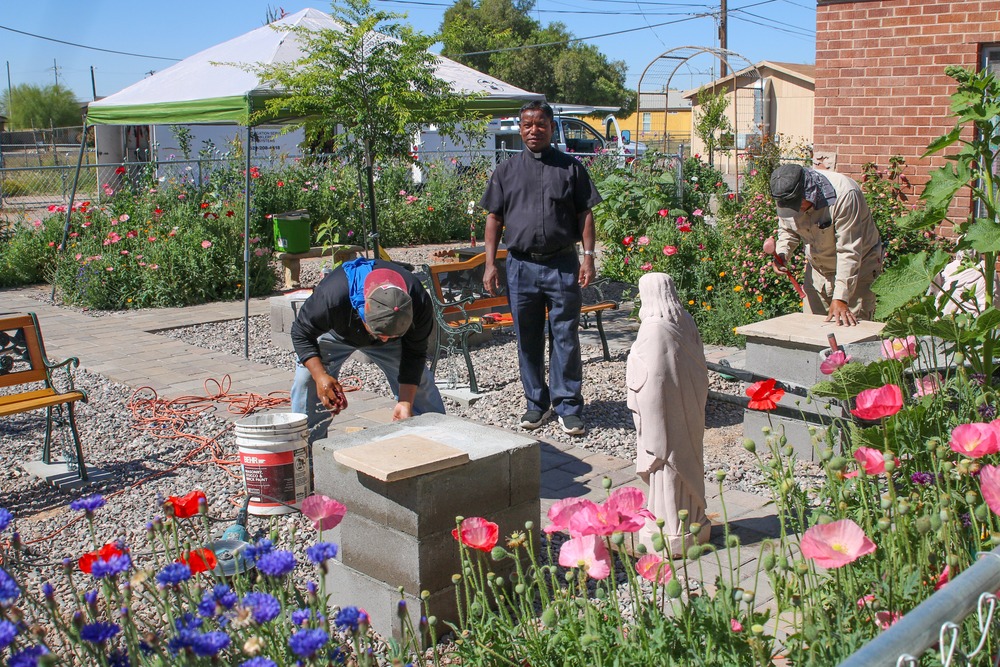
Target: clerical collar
column 537, row 156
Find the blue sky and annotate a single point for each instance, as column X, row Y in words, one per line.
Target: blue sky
column 628, row 30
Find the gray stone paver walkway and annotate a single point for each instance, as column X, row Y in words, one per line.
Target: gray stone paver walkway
column 124, row 348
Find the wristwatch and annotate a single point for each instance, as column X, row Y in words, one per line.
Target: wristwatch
column 589, row 252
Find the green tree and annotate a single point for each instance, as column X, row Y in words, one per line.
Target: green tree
column 502, row 40
column 711, row 120
column 28, row 106
column 373, row 77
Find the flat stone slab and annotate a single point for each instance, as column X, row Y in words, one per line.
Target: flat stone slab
column 401, row 457
column 810, row 330
column 461, row 393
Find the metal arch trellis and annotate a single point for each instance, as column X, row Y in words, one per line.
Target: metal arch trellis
column 741, row 82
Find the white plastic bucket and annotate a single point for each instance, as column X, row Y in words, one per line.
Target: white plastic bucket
column 274, row 453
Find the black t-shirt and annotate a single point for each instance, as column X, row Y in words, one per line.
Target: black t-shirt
column 329, row 309
column 540, row 200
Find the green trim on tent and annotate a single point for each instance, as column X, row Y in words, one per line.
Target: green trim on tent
column 212, row 110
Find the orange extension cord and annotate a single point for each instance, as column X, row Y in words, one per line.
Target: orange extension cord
column 167, row 419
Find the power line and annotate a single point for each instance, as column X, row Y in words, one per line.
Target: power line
column 792, row 30
column 84, row 46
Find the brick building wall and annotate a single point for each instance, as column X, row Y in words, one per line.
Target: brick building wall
column 880, row 83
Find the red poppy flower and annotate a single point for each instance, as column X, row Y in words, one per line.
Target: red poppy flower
column 477, row 533
column 229, row 214
column 199, row 560
column 204, row 204
column 280, row 184
column 105, row 553
column 185, row 507
column 764, row 395
column 120, row 170
column 627, row 241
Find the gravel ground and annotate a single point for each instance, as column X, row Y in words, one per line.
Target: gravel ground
column 145, row 467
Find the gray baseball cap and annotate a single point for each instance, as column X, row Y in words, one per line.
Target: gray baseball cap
column 788, row 184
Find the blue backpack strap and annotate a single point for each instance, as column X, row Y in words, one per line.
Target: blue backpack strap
column 357, row 270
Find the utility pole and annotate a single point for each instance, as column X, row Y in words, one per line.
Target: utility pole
column 10, row 93
column 723, row 34
column 55, row 70
column 93, row 83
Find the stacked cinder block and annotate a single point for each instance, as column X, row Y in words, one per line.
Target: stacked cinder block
column 398, row 534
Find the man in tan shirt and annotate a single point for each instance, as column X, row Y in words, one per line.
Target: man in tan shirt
column 827, row 212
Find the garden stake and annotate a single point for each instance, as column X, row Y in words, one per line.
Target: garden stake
column 769, row 249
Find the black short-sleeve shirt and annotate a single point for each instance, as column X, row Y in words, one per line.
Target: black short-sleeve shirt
column 540, row 200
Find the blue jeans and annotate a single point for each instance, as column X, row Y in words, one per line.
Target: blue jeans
column 534, row 287
column 333, row 353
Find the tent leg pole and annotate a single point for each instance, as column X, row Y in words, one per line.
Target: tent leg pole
column 246, row 252
column 69, row 207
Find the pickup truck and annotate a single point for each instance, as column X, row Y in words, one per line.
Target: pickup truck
column 572, row 135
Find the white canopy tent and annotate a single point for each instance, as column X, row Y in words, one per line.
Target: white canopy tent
column 211, row 87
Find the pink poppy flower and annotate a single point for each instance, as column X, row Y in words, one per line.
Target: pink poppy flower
column 899, row 348
column 927, row 385
column 834, row 361
column 123, row 217
column 664, row 212
column 587, row 552
column 560, row 514
column 324, row 512
column 681, row 220
column 630, row 503
column 669, row 250
column 976, row 439
column 735, row 625
column 653, row 568
column 871, row 461
column 697, row 211
column 989, row 485
column 835, row 544
column 643, row 240
column 648, row 266
column 477, row 533
column 873, row 404
column 206, row 244
column 885, row 619
column 593, row 519
column 943, row 578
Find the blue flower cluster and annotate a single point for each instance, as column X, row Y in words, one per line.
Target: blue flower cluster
column 276, row 563
column 262, row 548
column 5, row 518
column 98, row 633
column 27, row 657
column 90, row 504
column 207, row 644
column 347, row 619
column 300, row 616
column 9, row 590
column 259, row 662
column 265, row 607
column 173, row 574
column 305, row 643
column 321, row 552
column 7, row 633
column 219, row 598
column 113, row 566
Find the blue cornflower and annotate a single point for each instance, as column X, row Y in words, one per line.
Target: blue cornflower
column 263, row 547
column 9, row 590
column 118, row 658
column 7, row 633
column 27, row 657
column 321, row 552
column 210, row 643
column 276, row 563
column 5, row 518
column 98, row 633
column 300, row 616
column 90, row 504
column 48, row 591
column 90, row 597
column 187, row 622
column 305, row 643
column 174, row 574
column 258, row 662
column 187, row 633
column 220, row 596
column 113, row 566
column 347, row 618
column 311, row 587
column 265, row 607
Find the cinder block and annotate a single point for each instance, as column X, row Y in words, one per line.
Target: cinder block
column 796, row 430
column 284, row 309
column 525, row 474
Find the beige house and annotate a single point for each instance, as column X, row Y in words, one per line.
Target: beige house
column 771, row 100
column 662, row 121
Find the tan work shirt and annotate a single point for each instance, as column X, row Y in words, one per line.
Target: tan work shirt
column 845, row 249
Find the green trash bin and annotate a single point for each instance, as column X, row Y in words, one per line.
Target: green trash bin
column 291, row 231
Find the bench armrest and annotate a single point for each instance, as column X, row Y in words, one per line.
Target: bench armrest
column 68, row 364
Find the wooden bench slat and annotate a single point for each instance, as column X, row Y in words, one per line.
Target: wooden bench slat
column 27, row 395
column 26, row 404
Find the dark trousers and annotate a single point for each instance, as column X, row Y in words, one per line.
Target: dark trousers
column 534, row 287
